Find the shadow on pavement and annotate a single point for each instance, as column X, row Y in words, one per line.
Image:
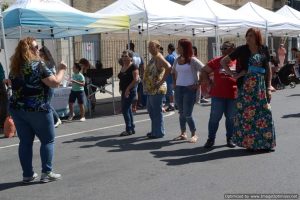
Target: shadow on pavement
column 291, row 116
column 294, row 95
column 6, row 186
column 120, row 144
column 200, row 154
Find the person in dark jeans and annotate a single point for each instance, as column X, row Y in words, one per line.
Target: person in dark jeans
column 3, row 98
column 223, row 94
column 129, row 76
column 49, row 61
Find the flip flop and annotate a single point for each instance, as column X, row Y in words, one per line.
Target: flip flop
column 193, row 139
column 180, row 137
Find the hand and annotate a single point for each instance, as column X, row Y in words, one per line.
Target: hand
column 62, row 66
column 7, row 82
column 157, row 84
column 127, row 91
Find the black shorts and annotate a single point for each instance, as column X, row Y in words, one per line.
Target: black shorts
column 76, row 95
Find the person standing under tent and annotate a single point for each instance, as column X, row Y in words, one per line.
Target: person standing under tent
column 155, row 87
column 281, row 52
column 186, row 81
column 223, row 94
column 3, row 97
column 253, row 123
column 172, row 55
column 141, row 98
column 77, row 92
column 129, row 76
column 49, row 61
column 86, row 65
column 199, row 96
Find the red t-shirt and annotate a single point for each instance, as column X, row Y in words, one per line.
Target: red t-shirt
column 224, row 86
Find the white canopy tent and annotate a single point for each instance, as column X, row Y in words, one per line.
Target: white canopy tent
column 148, row 14
column 292, row 14
column 217, row 15
column 274, row 23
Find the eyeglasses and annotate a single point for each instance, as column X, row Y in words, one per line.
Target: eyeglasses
column 224, row 48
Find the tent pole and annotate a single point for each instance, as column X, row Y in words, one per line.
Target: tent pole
column 148, row 35
column 267, row 42
column 272, row 43
column 128, row 37
column 20, row 33
column 217, row 41
column 4, row 45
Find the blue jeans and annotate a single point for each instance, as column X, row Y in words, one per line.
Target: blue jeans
column 126, row 104
column 29, row 125
column 55, row 115
column 154, row 107
column 218, row 107
column 185, row 99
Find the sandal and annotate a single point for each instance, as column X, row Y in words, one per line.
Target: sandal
column 180, row 137
column 193, row 139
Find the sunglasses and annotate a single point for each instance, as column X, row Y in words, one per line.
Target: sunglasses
column 224, row 48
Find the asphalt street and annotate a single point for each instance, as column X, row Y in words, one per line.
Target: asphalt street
column 97, row 164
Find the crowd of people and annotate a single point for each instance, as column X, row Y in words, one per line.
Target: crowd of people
column 240, row 88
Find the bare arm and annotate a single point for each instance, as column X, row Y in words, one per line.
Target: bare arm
column 81, row 83
column 135, row 80
column 54, row 80
column 204, row 76
column 225, row 64
column 166, row 65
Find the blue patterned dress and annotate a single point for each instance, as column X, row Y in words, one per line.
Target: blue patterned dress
column 253, row 124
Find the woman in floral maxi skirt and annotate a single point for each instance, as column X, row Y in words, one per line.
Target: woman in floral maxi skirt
column 253, row 123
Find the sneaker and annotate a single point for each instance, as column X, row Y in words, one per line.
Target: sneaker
column 82, row 119
column 30, row 179
column 170, row 108
column 203, row 100
column 230, row 143
column 50, row 176
column 209, row 143
column 57, row 123
column 70, row 118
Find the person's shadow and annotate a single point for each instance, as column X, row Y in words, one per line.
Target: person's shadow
column 201, row 154
column 6, row 186
column 297, row 115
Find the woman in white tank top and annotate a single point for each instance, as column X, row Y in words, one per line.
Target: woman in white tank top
column 186, row 71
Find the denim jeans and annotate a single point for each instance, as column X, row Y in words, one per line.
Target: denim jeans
column 185, row 99
column 218, row 107
column 126, row 109
column 29, row 125
column 154, row 107
column 55, row 115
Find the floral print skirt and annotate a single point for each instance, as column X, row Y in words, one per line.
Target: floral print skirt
column 253, row 123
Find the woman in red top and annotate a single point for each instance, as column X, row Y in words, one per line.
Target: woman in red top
column 223, row 93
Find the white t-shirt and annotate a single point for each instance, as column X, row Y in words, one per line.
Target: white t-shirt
column 185, row 75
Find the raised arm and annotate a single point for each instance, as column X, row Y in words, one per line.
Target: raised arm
column 54, row 80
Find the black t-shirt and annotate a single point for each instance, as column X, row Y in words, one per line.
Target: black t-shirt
column 242, row 54
column 126, row 77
